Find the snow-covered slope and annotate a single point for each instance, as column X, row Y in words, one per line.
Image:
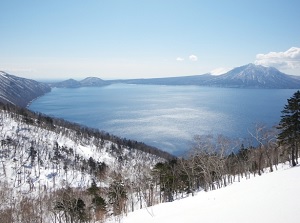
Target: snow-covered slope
column 20, row 91
column 41, row 157
column 273, row 197
column 31, row 155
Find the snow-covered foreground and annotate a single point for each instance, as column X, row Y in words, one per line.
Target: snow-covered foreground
column 272, row 197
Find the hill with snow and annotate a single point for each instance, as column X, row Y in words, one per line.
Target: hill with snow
column 42, row 158
column 272, row 197
column 33, row 154
column 20, row 91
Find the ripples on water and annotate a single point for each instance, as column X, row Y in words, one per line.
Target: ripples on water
column 167, row 117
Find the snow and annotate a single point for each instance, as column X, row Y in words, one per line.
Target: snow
column 5, row 99
column 49, row 175
column 272, row 197
column 3, row 74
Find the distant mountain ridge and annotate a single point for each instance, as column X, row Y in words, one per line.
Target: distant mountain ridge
column 184, row 80
column 20, row 91
column 87, row 82
column 247, row 76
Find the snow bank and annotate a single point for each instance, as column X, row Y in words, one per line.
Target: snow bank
column 272, row 197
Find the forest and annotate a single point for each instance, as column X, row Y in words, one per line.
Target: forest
column 57, row 171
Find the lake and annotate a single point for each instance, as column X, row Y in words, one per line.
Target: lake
column 167, row 117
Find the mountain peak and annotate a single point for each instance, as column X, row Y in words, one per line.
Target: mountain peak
column 252, row 66
column 257, row 70
column 254, row 76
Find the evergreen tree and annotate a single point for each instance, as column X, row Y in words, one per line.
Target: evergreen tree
column 99, row 204
column 117, row 196
column 32, row 154
column 73, row 208
column 289, row 127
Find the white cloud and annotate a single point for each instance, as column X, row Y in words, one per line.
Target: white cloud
column 180, row 59
column 289, row 59
column 193, row 58
column 220, row 70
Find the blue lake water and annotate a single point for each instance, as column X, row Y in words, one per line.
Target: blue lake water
column 167, row 117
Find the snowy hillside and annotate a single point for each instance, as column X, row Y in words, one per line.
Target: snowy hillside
column 55, row 153
column 273, row 197
column 20, row 91
column 42, row 160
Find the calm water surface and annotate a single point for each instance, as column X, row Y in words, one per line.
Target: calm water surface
column 167, row 117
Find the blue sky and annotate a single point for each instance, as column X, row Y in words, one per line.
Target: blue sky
column 146, row 38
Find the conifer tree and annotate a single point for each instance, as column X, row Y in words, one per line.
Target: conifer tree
column 289, row 127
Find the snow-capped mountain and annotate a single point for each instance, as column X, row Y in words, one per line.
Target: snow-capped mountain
column 247, row 76
column 254, row 76
column 20, row 91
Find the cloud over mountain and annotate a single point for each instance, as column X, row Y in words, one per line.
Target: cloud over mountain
column 289, row 59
